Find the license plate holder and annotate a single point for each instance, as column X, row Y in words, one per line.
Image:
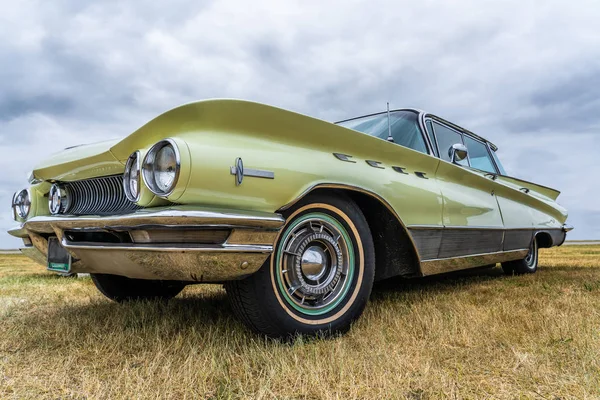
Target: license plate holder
column 59, row 259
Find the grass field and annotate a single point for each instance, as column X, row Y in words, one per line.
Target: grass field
column 473, row 335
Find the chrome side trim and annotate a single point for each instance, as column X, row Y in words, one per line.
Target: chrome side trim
column 439, row 266
column 343, row 157
column 259, row 173
column 168, row 248
column 494, row 228
column 440, row 242
column 374, row 164
column 449, row 243
column 171, row 216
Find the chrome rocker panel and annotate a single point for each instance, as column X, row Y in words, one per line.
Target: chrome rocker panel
column 243, row 252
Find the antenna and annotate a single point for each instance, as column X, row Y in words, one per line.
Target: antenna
column 389, row 138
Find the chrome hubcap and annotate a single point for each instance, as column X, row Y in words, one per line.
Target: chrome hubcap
column 314, row 264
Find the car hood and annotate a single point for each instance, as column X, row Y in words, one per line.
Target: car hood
column 81, row 161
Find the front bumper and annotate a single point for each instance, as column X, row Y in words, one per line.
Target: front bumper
column 247, row 242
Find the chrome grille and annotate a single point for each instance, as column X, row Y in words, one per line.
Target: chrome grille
column 98, row 196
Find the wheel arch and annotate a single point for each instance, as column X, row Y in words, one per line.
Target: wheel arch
column 395, row 250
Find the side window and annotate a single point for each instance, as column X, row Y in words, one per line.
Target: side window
column 446, row 137
column 429, row 127
column 479, row 155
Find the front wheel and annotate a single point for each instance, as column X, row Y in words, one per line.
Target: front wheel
column 121, row 288
column 319, row 277
column 528, row 265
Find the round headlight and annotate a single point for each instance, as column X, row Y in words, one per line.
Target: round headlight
column 21, row 203
column 161, row 167
column 131, row 177
column 58, row 200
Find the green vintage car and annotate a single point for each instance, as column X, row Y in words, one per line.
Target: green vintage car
column 296, row 216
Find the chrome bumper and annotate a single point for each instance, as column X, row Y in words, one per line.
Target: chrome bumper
column 242, row 252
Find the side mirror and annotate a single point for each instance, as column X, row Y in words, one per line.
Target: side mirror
column 457, row 152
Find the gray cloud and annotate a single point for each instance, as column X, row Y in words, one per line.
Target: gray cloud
column 569, row 104
column 13, row 106
column 521, row 73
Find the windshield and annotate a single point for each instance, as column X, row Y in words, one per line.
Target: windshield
column 404, row 126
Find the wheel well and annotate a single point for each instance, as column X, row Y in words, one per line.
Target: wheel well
column 544, row 239
column 394, row 251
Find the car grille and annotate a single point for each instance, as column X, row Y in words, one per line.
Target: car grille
column 98, row 196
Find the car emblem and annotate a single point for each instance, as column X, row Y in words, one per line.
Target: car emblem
column 239, row 172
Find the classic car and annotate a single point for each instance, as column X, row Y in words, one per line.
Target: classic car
column 295, row 216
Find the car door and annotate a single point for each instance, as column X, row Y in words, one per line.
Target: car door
column 516, row 214
column 471, row 214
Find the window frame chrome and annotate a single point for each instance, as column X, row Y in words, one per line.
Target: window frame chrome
column 492, row 152
column 437, row 148
column 464, row 132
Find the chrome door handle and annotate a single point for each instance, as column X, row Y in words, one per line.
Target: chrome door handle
column 524, row 190
column 491, row 176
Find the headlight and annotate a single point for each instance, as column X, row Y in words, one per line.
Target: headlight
column 131, row 177
column 161, row 167
column 58, row 201
column 21, row 204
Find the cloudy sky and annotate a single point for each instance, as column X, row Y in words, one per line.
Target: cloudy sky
column 524, row 74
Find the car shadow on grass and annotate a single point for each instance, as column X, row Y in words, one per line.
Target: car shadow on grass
column 198, row 318
column 466, row 279
column 450, row 281
column 206, row 316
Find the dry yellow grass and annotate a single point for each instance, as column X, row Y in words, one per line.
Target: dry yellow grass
column 473, row 335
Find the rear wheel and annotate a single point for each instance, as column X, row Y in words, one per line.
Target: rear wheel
column 121, row 288
column 318, row 278
column 528, row 265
